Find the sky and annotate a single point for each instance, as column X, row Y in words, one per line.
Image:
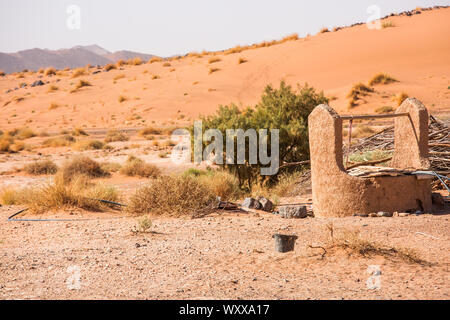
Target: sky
column 170, row 27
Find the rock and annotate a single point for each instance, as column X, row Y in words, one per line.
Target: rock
column 23, row 85
column 97, row 71
column 437, row 198
column 403, row 214
column 384, row 214
column 360, row 214
column 395, row 214
column 418, row 212
column 293, row 212
column 37, row 83
column 251, row 203
column 373, row 214
column 266, row 204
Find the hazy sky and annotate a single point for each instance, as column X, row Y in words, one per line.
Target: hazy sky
column 168, row 27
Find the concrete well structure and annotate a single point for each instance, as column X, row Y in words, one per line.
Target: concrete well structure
column 337, row 194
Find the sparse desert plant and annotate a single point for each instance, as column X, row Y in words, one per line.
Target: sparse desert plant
column 363, row 131
column 61, row 194
column 137, row 167
column 121, row 62
column 166, row 64
column 122, row 98
column 81, row 84
column 52, row 88
column 288, row 184
column 242, row 60
column 172, row 195
column 359, row 89
column 212, row 70
column 119, row 76
column 387, row 24
column 79, row 132
column 223, row 184
column 384, row 109
column 399, row 98
column 82, row 165
column 62, row 141
column 110, row 166
column 155, row 59
column 381, row 78
column 214, row 60
column 155, row 77
column 50, row 71
column 150, row 130
column 135, row 61
column 116, row 135
column 110, row 67
column 78, row 72
column 24, row 133
column 324, row 30
column 144, row 224
column 2, row 73
column 41, row 167
column 84, row 145
column 53, row 106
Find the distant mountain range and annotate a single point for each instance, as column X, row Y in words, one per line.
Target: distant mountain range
column 78, row 56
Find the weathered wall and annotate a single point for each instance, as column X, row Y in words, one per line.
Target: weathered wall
column 337, row 194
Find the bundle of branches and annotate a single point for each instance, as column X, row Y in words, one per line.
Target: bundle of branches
column 439, row 144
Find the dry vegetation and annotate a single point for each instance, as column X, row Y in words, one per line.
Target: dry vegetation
column 41, row 167
column 116, row 135
column 82, row 165
column 399, row 98
column 381, row 78
column 137, row 167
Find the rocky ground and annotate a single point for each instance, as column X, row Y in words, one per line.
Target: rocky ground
column 221, row 256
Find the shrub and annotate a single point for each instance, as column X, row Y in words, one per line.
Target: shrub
column 401, row 97
column 122, row 98
column 172, row 195
column 2, row 73
column 381, row 78
column 212, row 70
column 78, row 72
column 53, row 106
column 137, row 167
column 155, row 77
column 166, row 64
column 242, row 60
column 324, row 30
column 155, row 59
column 63, row 141
column 82, row 165
column 284, row 109
column 79, row 132
column 144, row 224
column 78, row 193
column 116, row 135
column 359, row 89
column 24, row 133
column 84, row 145
column 50, row 71
column 223, row 184
column 135, row 61
column 41, row 167
column 110, row 166
column 110, row 67
column 387, row 24
column 149, row 130
column 81, row 84
column 214, row 60
column 52, row 88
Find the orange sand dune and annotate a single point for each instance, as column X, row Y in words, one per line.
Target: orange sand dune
column 416, row 52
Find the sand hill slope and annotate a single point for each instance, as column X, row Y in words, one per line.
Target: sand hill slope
column 415, row 51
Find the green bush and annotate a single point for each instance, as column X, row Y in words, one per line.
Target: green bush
column 284, row 109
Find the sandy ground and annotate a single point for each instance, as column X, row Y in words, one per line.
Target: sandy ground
column 204, row 258
column 415, row 52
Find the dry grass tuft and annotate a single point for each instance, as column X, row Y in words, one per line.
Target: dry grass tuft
column 324, row 30
column 82, row 165
column 41, row 167
column 78, row 72
column 155, row 59
column 137, row 167
column 353, row 244
column 242, row 60
column 172, row 195
column 110, row 67
column 53, row 106
column 212, row 70
column 52, row 88
column 381, row 78
column 122, row 99
column 399, row 98
column 116, row 135
column 63, row 141
column 84, row 145
column 135, row 61
column 2, row 73
column 387, row 24
column 50, row 71
column 79, row 132
column 78, row 193
column 214, row 60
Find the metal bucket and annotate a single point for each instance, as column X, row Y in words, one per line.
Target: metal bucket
column 284, row 242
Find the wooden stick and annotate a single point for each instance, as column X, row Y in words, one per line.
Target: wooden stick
column 369, row 163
